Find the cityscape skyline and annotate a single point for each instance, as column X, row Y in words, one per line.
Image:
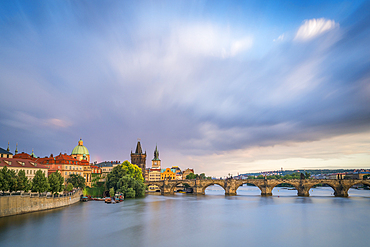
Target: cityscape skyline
column 220, row 87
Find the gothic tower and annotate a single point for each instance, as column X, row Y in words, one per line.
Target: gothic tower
column 156, row 162
column 139, row 158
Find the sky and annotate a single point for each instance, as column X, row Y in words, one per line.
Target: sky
column 220, row 86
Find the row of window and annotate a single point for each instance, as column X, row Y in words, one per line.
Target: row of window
column 77, row 173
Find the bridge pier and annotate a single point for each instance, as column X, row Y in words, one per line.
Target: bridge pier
column 341, row 191
column 230, row 187
column 303, row 190
column 266, row 190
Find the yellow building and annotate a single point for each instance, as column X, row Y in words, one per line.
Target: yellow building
column 168, row 174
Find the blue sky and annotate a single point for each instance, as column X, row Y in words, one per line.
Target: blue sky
column 221, row 86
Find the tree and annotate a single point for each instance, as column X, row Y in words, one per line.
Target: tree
column 12, row 179
column 111, row 192
column 202, row 176
column 40, row 182
column 131, row 187
column 133, row 170
column 4, row 179
column 76, row 180
column 56, row 182
column 191, row 176
column 69, row 187
column 114, row 176
column 23, row 183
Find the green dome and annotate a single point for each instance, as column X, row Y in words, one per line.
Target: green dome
column 80, row 149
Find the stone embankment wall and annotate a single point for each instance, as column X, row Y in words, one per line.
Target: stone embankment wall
column 26, row 203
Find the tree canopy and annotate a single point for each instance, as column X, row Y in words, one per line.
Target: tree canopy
column 40, row 182
column 56, row 182
column 23, row 183
column 132, row 170
column 76, row 180
column 131, row 187
column 127, row 179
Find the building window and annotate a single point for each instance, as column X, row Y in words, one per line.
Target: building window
column 66, row 173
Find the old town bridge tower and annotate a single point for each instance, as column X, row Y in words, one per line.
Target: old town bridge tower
column 139, row 158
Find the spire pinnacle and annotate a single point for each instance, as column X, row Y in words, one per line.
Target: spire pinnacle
column 16, row 148
column 8, row 149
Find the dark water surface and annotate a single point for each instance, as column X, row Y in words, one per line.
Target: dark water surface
column 211, row 220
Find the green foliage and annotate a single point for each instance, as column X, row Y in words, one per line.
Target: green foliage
column 260, row 177
column 132, row 170
column 130, row 193
column 111, row 192
column 76, row 180
column 131, row 187
column 192, row 176
column 114, row 176
column 40, row 182
column 23, row 183
column 95, row 192
column 69, row 187
column 95, row 180
column 4, row 179
column 56, row 182
column 13, row 181
column 127, row 179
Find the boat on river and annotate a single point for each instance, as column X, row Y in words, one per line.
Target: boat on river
column 84, row 199
column 108, row 200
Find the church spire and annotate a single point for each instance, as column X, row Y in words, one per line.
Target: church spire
column 139, row 150
column 16, row 148
column 8, row 149
column 156, row 153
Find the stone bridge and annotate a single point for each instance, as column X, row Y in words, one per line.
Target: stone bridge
column 230, row 186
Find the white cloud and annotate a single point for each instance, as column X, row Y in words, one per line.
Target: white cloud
column 280, row 38
column 209, row 40
column 314, row 27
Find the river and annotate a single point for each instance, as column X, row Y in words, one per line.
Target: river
column 214, row 219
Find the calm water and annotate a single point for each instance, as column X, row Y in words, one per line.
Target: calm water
column 214, row 219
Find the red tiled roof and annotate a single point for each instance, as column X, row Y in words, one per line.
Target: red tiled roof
column 20, row 163
column 24, row 155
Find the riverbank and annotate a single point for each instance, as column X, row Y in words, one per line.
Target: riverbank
column 22, row 203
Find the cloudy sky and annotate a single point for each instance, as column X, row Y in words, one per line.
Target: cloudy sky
column 221, row 86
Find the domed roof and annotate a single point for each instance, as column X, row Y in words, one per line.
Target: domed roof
column 80, row 149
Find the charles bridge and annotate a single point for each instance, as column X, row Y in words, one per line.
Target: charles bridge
column 230, row 186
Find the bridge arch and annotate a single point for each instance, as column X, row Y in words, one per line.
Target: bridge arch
column 155, row 183
column 356, row 182
column 323, row 182
column 255, row 183
column 286, row 182
column 174, row 184
column 213, row 183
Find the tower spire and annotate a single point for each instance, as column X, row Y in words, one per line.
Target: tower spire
column 16, row 148
column 8, row 149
